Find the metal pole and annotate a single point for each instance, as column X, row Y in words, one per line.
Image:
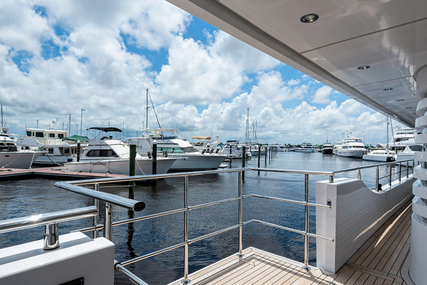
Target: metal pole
column 108, row 221
column 331, row 178
column 259, row 157
column 389, row 177
column 96, row 218
column 377, row 180
column 359, row 174
column 400, row 171
column 407, row 169
column 240, row 215
column 186, row 281
column 306, row 224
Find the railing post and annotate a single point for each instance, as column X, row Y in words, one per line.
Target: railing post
column 240, row 215
column 377, row 179
column 96, row 218
column 407, row 169
column 108, row 227
column 306, row 224
column 186, row 281
column 359, row 174
column 391, row 173
column 331, row 178
column 51, row 237
column 400, row 171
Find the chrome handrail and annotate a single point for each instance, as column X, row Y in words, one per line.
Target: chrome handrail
column 22, row 223
column 130, row 204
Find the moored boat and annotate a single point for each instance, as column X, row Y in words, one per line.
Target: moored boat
column 382, row 155
column 350, row 147
column 305, row 147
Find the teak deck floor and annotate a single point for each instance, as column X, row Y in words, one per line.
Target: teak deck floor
column 381, row 260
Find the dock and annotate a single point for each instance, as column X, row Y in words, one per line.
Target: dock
column 383, row 259
column 51, row 172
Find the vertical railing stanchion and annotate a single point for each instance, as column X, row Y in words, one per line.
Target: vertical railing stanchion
column 306, row 225
column 377, row 179
column 96, row 218
column 108, row 224
column 186, row 281
column 400, row 171
column 331, row 178
column 407, row 169
column 240, row 215
column 389, row 177
column 359, row 174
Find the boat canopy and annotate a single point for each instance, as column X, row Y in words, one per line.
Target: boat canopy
column 77, row 138
column 106, row 129
column 201, row 138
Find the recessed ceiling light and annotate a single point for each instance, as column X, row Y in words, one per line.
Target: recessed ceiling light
column 400, row 100
column 388, row 89
column 309, row 18
column 364, row 67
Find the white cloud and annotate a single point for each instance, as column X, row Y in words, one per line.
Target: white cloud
column 95, row 71
column 21, row 28
column 322, row 95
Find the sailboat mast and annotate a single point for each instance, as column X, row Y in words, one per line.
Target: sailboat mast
column 247, row 127
column 146, row 110
column 387, row 135
column 2, row 116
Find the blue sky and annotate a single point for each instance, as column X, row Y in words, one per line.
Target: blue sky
column 58, row 57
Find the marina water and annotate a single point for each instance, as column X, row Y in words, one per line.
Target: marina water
column 25, row 197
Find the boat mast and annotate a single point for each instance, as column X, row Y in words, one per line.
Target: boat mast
column 146, row 110
column 387, row 136
column 247, row 127
column 2, row 116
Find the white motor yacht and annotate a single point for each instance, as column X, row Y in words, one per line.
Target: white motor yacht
column 305, row 147
column 12, row 156
column 382, row 155
column 58, row 150
column 107, row 155
column 408, row 153
column 187, row 157
column 402, row 138
column 350, row 147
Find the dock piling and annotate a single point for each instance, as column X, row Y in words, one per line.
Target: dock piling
column 132, row 155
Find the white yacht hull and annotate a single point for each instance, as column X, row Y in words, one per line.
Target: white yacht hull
column 196, row 161
column 120, row 166
column 18, row 159
column 352, row 153
column 304, row 150
column 48, row 159
column 376, row 157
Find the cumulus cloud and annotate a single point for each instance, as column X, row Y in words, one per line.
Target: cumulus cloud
column 58, row 57
column 322, row 95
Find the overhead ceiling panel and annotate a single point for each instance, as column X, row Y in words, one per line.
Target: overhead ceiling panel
column 388, row 35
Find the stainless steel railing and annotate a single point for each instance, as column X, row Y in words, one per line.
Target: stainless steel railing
column 50, row 221
column 110, row 199
column 187, row 208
